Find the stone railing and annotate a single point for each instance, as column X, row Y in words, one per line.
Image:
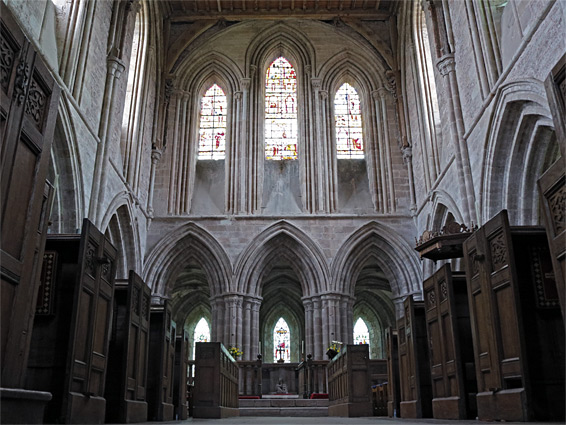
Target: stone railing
column 250, row 377
column 216, row 382
column 349, row 389
column 312, row 377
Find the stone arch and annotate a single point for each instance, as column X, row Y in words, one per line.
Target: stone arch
column 282, row 240
column 442, row 204
column 66, row 176
column 186, row 244
column 394, row 256
column 516, row 151
column 124, row 234
column 190, row 323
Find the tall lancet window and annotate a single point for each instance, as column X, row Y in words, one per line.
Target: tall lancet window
column 212, row 133
column 280, row 111
column 282, row 341
column 348, row 119
column 361, row 332
column 202, row 334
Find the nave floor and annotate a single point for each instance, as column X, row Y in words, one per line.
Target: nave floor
column 374, row 420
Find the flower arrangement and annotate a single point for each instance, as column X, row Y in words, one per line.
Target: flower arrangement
column 235, row 351
column 335, row 346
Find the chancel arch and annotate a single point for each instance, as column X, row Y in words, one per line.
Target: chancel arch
column 283, row 249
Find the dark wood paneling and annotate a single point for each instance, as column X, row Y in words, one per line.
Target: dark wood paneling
column 449, row 335
column 394, row 386
column 518, row 335
column 127, row 366
column 69, row 349
column 414, row 367
column 181, row 368
column 28, row 109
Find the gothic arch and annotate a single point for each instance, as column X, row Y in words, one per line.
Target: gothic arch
column 393, row 255
column 66, row 176
column 282, row 240
column 516, row 152
column 124, row 234
column 189, row 243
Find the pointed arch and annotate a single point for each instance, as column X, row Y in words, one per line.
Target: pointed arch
column 396, row 258
column 518, row 148
column 189, row 243
column 282, row 240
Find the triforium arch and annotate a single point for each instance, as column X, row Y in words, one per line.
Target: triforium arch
column 281, row 248
column 519, row 148
column 193, row 78
column 280, row 40
column 391, row 254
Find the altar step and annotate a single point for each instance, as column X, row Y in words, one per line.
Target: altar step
column 279, row 406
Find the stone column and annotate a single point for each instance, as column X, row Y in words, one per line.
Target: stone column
column 246, row 330
column 184, row 152
column 380, row 151
column 173, row 189
column 115, row 68
column 384, row 118
column 155, row 158
column 447, row 67
column 309, row 326
column 255, row 337
column 239, row 319
column 408, row 159
column 317, row 334
column 350, row 319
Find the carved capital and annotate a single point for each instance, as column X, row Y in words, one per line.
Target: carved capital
column 380, row 92
column 407, row 154
column 169, row 86
column 316, row 83
column 253, row 69
column 323, row 94
column 245, row 83
column 115, row 66
column 446, row 64
column 155, row 155
column 391, row 82
column 238, row 95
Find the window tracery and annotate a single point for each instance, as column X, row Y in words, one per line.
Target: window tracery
column 348, row 121
column 361, row 332
column 212, row 125
column 202, row 333
column 282, row 341
column 280, row 111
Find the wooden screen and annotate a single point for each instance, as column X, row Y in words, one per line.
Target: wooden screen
column 69, row 349
column 414, row 368
column 161, row 364
column 181, row 368
column 552, row 187
column 448, row 328
column 28, row 109
column 127, row 367
column 393, row 386
column 517, row 327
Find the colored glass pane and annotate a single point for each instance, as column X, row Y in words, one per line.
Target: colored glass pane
column 202, row 334
column 212, row 129
column 361, row 332
column 348, row 120
column 280, row 111
column 281, row 341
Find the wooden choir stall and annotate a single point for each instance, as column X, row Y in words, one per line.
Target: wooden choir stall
column 393, row 382
column 414, row 367
column 69, row 346
column 161, row 364
column 181, row 378
column 452, row 368
column 127, row 364
column 517, row 326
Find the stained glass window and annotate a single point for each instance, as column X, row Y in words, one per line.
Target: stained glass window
column 212, row 133
column 280, row 111
column 281, row 341
column 348, row 119
column 361, row 332
column 202, row 334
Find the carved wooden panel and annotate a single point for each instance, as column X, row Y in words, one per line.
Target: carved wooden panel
column 181, row 367
column 414, row 367
column 161, row 363
column 24, row 156
column 508, row 323
column 393, row 387
column 447, row 322
column 127, row 367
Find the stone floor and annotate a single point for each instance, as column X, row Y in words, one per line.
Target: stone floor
column 335, row 421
